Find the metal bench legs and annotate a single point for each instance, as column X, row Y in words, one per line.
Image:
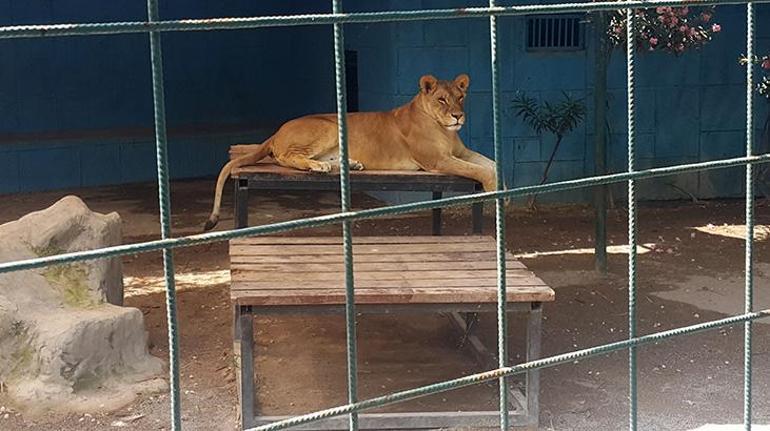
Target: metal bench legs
column 534, row 333
column 243, row 352
column 477, row 215
column 524, row 404
column 241, row 200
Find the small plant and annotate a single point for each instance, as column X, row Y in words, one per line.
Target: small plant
column 666, row 28
column 557, row 119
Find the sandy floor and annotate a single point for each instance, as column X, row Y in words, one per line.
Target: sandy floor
column 690, row 270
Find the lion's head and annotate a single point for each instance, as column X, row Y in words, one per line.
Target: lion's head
column 443, row 100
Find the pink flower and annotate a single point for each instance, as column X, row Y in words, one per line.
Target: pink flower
column 684, row 11
column 766, row 64
column 683, row 29
column 653, row 41
column 716, row 28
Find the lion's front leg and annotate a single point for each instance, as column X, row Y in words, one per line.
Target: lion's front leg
column 477, row 158
column 456, row 166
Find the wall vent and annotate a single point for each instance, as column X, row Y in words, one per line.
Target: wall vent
column 554, row 33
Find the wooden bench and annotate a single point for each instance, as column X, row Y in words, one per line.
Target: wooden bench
column 451, row 274
column 266, row 175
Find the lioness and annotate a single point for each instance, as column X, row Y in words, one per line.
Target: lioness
column 419, row 135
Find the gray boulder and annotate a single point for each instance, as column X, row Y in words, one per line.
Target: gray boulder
column 65, row 341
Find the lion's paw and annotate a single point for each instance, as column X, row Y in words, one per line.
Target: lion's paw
column 322, row 167
column 356, row 165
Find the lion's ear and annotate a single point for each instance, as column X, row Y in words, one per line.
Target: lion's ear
column 462, row 82
column 428, row 84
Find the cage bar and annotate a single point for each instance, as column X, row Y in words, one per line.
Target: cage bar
column 630, row 60
column 161, row 152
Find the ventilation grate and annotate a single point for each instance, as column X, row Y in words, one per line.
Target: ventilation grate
column 554, row 33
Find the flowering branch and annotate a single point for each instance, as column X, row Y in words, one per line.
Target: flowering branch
column 763, row 87
column 670, row 29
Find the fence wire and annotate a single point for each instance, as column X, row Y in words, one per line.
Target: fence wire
column 502, row 323
column 164, row 201
column 154, row 27
column 241, row 23
column 347, row 233
column 749, row 260
column 631, row 110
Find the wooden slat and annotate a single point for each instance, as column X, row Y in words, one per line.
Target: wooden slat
column 389, row 296
column 440, row 276
column 369, row 258
column 373, row 284
column 246, row 265
column 405, row 240
column 313, row 249
column 275, row 271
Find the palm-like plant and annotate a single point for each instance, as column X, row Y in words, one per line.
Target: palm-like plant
column 557, row 119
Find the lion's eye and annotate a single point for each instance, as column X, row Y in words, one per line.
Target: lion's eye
column 460, row 99
column 442, row 100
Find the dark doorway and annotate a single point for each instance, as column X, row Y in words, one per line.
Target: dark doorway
column 351, row 79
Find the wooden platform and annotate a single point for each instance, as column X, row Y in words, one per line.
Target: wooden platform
column 267, row 175
column 268, row 170
column 456, row 275
column 272, row 271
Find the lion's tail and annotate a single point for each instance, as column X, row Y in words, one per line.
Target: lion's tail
column 248, row 159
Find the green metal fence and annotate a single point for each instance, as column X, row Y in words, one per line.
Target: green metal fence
column 154, row 27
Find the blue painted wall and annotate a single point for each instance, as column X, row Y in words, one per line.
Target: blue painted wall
column 78, row 111
column 689, row 109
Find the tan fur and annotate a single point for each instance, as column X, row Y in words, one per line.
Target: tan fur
column 421, row 134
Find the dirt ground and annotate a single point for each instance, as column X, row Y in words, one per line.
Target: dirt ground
column 690, row 270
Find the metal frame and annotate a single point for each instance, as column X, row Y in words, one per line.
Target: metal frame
column 242, row 183
column 523, row 402
column 153, row 27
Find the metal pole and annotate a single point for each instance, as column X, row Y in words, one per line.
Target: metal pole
column 601, row 53
column 632, row 374
column 502, row 323
column 749, row 263
column 156, row 59
column 347, row 235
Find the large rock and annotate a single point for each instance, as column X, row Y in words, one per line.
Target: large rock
column 64, row 340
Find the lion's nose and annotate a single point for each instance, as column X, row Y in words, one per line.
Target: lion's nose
column 457, row 115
